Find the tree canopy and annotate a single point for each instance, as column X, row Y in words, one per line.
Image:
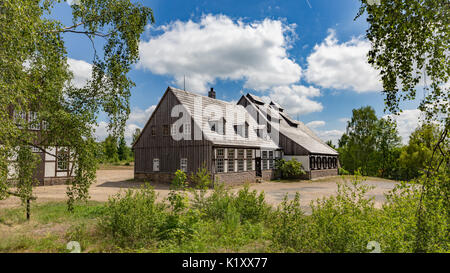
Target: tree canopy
column 35, row 77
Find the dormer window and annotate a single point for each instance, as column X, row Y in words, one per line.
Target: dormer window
column 214, row 125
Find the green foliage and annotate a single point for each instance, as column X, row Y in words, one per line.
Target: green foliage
column 342, row 171
column 410, row 41
column 35, row 77
column 133, row 218
column 417, row 155
column 369, row 145
column 178, row 198
column 290, row 230
column 290, row 169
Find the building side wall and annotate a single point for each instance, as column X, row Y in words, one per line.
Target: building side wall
column 163, row 147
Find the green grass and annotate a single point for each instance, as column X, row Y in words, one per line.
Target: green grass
column 50, row 228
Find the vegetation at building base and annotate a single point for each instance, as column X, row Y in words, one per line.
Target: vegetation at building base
column 225, row 221
column 290, row 169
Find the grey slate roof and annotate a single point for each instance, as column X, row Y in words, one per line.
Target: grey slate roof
column 231, row 138
column 301, row 134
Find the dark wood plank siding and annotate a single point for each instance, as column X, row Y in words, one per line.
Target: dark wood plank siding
column 168, row 150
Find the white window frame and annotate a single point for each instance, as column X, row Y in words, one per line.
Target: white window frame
column 183, row 164
column 32, row 117
column 156, row 164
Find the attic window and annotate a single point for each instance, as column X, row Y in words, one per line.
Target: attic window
column 165, row 130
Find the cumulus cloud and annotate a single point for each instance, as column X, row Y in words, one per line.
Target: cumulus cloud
column 137, row 120
column 342, row 65
column 141, row 116
column 82, row 71
column 407, row 122
column 333, row 135
column 296, row 99
column 218, row 47
column 316, row 124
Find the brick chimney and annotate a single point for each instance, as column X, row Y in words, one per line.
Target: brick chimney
column 212, row 93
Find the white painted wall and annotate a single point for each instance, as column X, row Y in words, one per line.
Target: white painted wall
column 49, row 169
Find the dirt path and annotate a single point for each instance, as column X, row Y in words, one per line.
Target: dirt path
column 110, row 182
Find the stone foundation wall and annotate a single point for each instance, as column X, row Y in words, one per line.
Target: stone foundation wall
column 154, row 177
column 323, row 173
column 235, row 178
column 55, row 181
column 268, row 175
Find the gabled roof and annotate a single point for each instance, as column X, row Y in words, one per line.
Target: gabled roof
column 298, row 132
column 231, row 138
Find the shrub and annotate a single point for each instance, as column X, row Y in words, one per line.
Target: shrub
column 342, row 171
column 250, row 205
column 178, row 198
column 133, row 218
column 291, row 169
column 290, row 230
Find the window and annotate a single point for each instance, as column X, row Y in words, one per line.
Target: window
column 240, row 160
column 187, row 129
column 44, row 125
column 20, row 117
column 32, row 120
column 219, row 161
column 62, row 159
column 231, row 160
column 183, row 164
column 165, row 130
column 246, row 130
column 319, row 163
column 270, row 159
column 153, row 130
column 156, row 164
column 249, row 160
column 264, row 160
column 35, row 149
column 213, row 127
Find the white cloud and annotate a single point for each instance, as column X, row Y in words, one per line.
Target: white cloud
column 316, row 124
column 101, row 131
column 137, row 120
column 342, row 65
column 407, row 122
column 333, row 135
column 141, row 116
column 82, row 71
column 218, row 47
column 296, row 99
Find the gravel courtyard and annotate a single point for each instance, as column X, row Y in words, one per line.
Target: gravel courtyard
column 110, row 182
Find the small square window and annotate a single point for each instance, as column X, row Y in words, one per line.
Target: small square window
column 153, row 130
column 156, row 164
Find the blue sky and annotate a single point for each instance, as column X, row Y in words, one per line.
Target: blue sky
column 308, row 55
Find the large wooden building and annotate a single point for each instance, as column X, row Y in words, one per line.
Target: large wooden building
column 236, row 142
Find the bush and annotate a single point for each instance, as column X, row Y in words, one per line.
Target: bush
column 250, row 205
column 342, row 171
column 133, row 218
column 290, row 230
column 291, row 169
